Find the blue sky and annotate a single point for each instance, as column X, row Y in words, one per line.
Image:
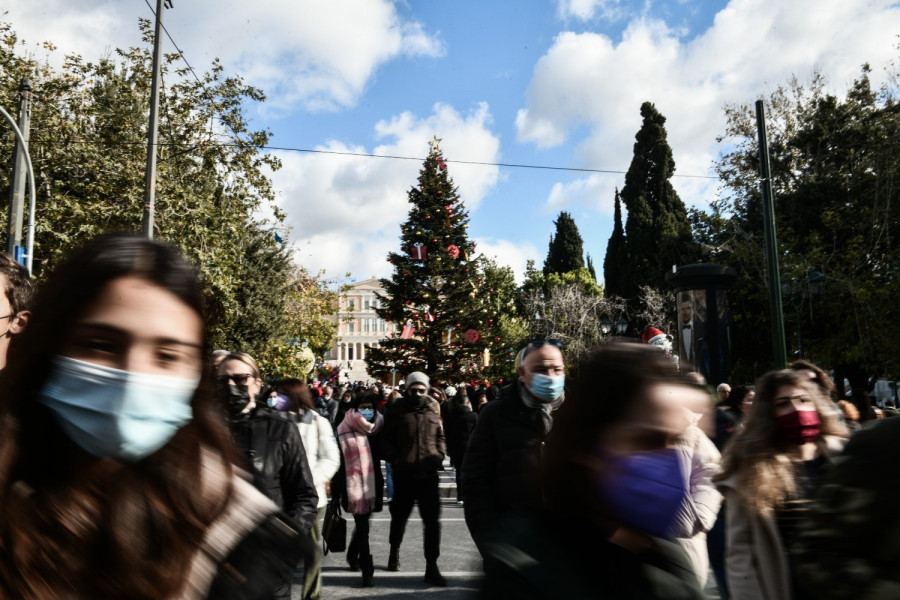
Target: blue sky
column 539, row 82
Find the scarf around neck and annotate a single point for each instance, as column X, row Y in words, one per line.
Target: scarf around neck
column 353, row 433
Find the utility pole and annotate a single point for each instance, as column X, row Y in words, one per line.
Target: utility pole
column 773, row 277
column 152, row 131
column 17, row 189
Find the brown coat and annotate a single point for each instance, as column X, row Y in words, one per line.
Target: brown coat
column 756, row 562
column 413, row 437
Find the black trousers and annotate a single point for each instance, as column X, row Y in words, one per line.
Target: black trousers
column 359, row 543
column 424, row 490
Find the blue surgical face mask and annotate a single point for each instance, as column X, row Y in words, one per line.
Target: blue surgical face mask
column 117, row 414
column 547, row 388
column 644, row 490
column 368, row 414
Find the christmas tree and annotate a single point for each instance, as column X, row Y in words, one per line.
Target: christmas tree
column 445, row 323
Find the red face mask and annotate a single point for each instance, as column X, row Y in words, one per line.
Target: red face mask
column 800, row 426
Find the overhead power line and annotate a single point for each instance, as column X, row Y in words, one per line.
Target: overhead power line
column 394, row 157
column 363, row 155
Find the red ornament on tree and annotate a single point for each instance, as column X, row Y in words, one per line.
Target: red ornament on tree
column 453, row 251
column 441, row 165
column 472, row 336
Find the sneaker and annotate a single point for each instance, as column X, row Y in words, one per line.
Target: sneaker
column 433, row 575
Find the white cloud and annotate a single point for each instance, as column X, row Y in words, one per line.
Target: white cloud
column 587, row 10
column 318, row 55
column 587, row 81
column 509, row 253
column 345, row 211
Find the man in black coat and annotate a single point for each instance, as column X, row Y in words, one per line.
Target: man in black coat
column 501, row 469
column 270, row 444
column 413, row 442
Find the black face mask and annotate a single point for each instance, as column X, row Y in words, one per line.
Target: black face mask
column 235, row 399
column 417, row 399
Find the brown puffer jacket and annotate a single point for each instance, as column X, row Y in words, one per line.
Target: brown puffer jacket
column 413, row 436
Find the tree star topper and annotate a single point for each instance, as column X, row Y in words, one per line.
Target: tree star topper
column 435, row 143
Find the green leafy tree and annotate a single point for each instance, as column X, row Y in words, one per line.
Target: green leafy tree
column 657, row 230
column 510, row 332
column 88, row 145
column 834, row 167
column 566, row 251
column 438, row 294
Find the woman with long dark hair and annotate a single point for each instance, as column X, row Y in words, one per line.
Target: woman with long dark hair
column 613, row 485
column 116, row 475
column 771, row 471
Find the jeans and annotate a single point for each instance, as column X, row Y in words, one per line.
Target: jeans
column 389, row 479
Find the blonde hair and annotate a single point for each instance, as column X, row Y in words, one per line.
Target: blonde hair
column 756, row 458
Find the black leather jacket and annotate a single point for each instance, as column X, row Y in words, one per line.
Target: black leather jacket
column 274, row 455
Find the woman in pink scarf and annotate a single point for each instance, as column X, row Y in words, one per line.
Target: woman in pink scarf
column 360, row 460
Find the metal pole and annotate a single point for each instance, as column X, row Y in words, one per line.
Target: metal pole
column 773, row 278
column 17, row 189
column 29, row 244
column 152, row 133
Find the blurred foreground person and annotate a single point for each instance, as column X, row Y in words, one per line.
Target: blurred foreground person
column 771, row 471
column 270, row 444
column 116, row 475
column 847, row 549
column 614, row 485
column 324, row 459
column 359, row 483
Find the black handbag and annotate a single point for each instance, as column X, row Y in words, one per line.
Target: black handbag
column 334, row 529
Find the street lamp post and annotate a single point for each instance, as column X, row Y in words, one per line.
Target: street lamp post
column 621, row 326
column 606, row 326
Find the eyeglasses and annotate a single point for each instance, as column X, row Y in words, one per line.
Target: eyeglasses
column 543, row 342
column 239, row 379
column 546, row 342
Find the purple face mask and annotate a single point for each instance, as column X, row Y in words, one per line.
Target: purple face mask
column 644, row 490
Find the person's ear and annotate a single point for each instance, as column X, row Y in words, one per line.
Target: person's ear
column 19, row 322
column 521, row 371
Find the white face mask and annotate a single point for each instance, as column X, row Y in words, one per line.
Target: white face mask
column 117, row 414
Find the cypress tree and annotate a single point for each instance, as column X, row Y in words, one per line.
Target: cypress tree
column 657, row 230
column 566, row 252
column 590, row 268
column 615, row 255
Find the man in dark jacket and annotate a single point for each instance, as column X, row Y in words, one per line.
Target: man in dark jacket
column 413, row 442
column 270, row 444
column 460, row 423
column 500, row 472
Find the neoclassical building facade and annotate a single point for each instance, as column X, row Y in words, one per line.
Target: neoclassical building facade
column 359, row 327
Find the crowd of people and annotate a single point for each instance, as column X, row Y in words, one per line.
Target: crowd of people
column 135, row 464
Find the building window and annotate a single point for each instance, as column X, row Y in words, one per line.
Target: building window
column 350, row 304
column 366, row 304
column 350, row 327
